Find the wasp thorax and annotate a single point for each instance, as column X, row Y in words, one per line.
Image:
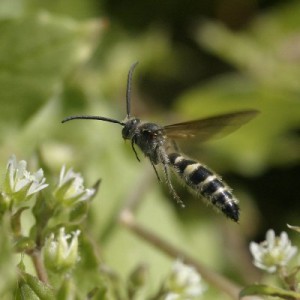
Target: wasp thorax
column 129, row 128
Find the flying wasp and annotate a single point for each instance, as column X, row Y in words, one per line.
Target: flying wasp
column 158, row 143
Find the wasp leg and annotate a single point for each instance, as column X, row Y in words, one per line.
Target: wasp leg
column 164, row 159
column 132, row 146
column 155, row 171
column 170, row 186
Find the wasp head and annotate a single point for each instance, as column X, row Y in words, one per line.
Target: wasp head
column 129, row 128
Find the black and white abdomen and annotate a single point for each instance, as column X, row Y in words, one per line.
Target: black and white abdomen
column 207, row 183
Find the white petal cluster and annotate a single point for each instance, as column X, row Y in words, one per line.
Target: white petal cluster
column 20, row 183
column 70, row 188
column 61, row 251
column 184, row 282
column 272, row 253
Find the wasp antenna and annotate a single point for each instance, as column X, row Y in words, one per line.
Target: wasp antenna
column 92, row 118
column 128, row 90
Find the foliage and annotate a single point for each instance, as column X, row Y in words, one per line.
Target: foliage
column 59, row 58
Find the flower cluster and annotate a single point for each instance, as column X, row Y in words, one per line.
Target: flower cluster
column 184, row 282
column 52, row 239
column 272, row 253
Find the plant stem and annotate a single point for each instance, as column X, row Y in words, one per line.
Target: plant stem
column 39, row 265
column 127, row 219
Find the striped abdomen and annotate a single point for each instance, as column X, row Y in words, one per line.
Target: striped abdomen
column 207, row 183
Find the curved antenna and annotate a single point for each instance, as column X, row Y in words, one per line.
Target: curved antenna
column 92, row 118
column 128, row 90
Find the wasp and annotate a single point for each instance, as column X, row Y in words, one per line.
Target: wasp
column 158, row 144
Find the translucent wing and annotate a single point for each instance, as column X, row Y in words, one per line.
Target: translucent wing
column 211, row 127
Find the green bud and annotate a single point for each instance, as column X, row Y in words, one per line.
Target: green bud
column 136, row 280
column 61, row 251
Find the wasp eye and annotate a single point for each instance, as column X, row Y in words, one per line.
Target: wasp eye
column 130, row 128
column 147, row 132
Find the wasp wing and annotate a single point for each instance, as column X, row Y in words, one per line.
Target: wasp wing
column 211, row 127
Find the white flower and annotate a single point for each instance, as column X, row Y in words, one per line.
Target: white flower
column 61, row 254
column 20, row 183
column 184, row 282
column 172, row 296
column 70, row 187
column 272, row 253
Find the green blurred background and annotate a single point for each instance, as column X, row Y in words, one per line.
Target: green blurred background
column 196, row 58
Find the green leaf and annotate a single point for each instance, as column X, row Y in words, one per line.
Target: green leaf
column 261, row 289
column 10, row 8
column 36, row 287
column 79, row 211
column 96, row 292
column 81, row 208
column 258, row 52
column 23, row 243
column 42, row 211
column 66, row 290
column 60, row 192
column 25, row 292
column 36, row 53
column 16, row 221
column 266, row 78
column 296, row 228
column 136, row 280
column 7, row 259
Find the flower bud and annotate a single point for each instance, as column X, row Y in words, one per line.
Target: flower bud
column 70, row 188
column 19, row 184
column 61, row 251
